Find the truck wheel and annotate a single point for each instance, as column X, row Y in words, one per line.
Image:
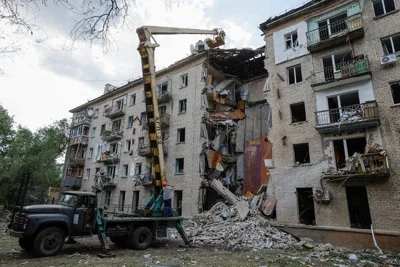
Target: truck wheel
column 26, row 243
column 142, row 238
column 120, row 241
column 48, row 242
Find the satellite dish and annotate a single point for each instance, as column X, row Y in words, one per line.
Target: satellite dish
column 90, row 112
column 192, row 49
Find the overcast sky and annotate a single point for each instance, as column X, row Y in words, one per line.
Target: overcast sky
column 42, row 81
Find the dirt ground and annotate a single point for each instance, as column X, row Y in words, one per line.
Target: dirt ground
column 168, row 252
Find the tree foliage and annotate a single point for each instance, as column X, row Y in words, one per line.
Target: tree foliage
column 26, row 153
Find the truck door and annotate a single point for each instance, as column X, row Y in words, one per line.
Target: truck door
column 79, row 219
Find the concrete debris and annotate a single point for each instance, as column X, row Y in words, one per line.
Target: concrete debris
column 353, row 257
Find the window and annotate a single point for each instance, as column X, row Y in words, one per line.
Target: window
column 162, row 110
column 346, row 148
column 383, row 6
column 298, row 112
column 182, row 106
column 96, row 113
column 178, row 201
column 291, row 40
column 141, row 142
column 301, row 153
column 395, row 88
column 125, row 170
column 163, row 88
column 294, row 74
column 143, row 117
column 334, row 63
column 305, row 202
column 130, row 122
column 357, row 201
column 87, row 174
column 127, row 145
column 184, row 80
column 120, row 104
column 138, row 169
column 391, row 44
column 342, row 106
column 93, row 132
column 98, row 152
column 121, row 202
column 179, row 165
column 135, row 200
column 111, row 170
column 105, row 108
column 116, row 125
column 90, row 155
column 114, row 148
column 108, row 197
column 132, row 100
column 331, row 26
column 181, row 135
column 103, row 128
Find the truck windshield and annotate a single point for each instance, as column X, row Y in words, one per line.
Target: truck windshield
column 68, row 200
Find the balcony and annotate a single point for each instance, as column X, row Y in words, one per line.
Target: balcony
column 81, row 120
column 72, row 182
column 164, row 97
column 115, row 111
column 335, row 33
column 145, row 150
column 164, row 122
column 341, row 74
column 371, row 167
column 77, row 161
column 109, row 158
column 352, row 117
column 81, row 139
column 109, row 181
column 221, row 99
column 111, row 135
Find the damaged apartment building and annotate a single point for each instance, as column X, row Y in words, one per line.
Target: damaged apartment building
column 334, row 93
column 213, row 117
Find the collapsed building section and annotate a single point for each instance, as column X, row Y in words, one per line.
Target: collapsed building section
column 234, row 127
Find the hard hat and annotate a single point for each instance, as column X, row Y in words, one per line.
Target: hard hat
column 164, row 184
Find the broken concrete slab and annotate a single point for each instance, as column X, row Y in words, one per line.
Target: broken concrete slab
column 224, row 192
column 243, row 209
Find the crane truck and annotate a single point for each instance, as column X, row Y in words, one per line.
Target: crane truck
column 42, row 229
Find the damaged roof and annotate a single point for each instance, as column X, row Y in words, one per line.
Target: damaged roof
column 293, row 13
column 244, row 64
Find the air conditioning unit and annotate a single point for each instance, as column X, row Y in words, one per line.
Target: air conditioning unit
column 388, row 59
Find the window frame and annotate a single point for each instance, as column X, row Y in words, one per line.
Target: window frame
column 177, row 170
column 293, row 44
column 87, row 174
column 178, row 141
column 128, row 145
column 90, row 153
column 383, row 7
column 125, row 170
column 138, row 166
column 294, row 73
column 130, row 122
column 184, row 80
column 164, row 108
column 180, row 111
column 132, row 97
column 391, row 92
column 96, row 113
column 93, row 132
column 390, row 37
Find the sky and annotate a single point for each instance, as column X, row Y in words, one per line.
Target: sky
column 41, row 81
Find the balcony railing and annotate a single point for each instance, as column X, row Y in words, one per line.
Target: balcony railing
column 77, row 160
column 111, row 135
column 164, row 122
column 335, row 31
column 164, row 97
column 371, row 165
column 81, row 120
column 144, row 150
column 344, row 70
column 81, row 139
column 115, row 111
column 108, row 157
column 109, row 180
column 364, row 115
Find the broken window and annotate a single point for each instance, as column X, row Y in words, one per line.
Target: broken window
column 391, row 44
column 127, row 145
column 346, row 148
column 116, row 125
column 301, row 153
column 143, row 117
column 90, row 152
column 344, row 107
column 103, row 128
column 357, row 201
column 383, row 6
column 130, row 122
column 125, row 170
column 179, row 165
column 93, row 134
column 305, row 202
column 163, row 88
column 298, row 112
column 121, row 202
column 294, row 74
column 138, row 169
column 334, row 63
column 162, row 110
column 181, row 135
column 291, row 40
column 114, row 148
column 182, row 106
column 184, row 80
column 395, row 88
column 132, row 100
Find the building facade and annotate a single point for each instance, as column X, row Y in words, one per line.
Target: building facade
column 333, row 89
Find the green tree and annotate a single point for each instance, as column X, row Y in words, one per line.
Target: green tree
column 29, row 153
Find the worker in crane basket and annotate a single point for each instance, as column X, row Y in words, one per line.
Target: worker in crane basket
column 167, row 192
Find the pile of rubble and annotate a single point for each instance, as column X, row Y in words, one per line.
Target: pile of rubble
column 221, row 225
